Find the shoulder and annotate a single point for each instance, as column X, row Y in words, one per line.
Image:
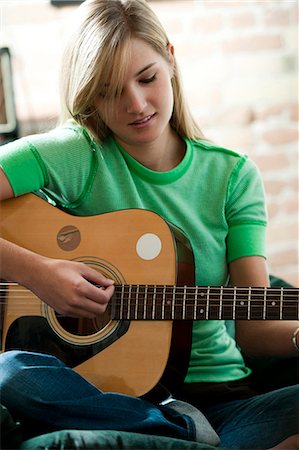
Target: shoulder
column 62, row 139
column 213, row 150
column 235, row 158
column 211, row 156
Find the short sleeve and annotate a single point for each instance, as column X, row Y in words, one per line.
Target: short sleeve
column 61, row 162
column 23, row 167
column 246, row 212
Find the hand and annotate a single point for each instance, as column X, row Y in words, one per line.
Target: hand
column 69, row 287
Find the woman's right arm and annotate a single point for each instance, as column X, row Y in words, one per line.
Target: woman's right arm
column 66, row 286
column 5, row 187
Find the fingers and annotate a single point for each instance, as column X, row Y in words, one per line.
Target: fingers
column 96, row 277
column 99, row 295
column 89, row 301
column 89, row 309
column 97, row 287
column 93, row 294
column 77, row 290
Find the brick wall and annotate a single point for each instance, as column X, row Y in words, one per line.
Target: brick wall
column 239, row 62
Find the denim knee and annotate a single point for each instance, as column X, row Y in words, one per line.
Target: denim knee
column 11, row 362
column 15, row 380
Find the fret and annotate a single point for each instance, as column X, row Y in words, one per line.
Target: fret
column 195, row 304
column 170, row 295
column 145, row 301
column 273, row 308
column 184, row 304
column 220, row 305
column 173, row 303
column 248, row 306
column 227, row 304
column 291, row 307
column 214, row 303
column 234, row 302
column 201, row 304
column 265, row 304
column 122, row 300
column 256, row 303
column 241, row 310
column 152, row 293
column 163, row 302
column 208, row 303
column 136, row 303
column 154, row 302
column 242, row 304
column 129, row 302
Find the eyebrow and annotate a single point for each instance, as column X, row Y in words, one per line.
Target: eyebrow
column 145, row 68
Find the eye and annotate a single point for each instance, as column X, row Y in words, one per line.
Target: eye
column 149, row 80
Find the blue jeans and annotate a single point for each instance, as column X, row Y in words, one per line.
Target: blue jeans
column 258, row 422
column 45, row 395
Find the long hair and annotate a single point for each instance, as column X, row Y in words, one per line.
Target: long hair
column 96, row 58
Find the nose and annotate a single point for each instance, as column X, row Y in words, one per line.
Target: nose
column 135, row 101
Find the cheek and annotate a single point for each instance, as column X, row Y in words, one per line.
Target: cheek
column 165, row 94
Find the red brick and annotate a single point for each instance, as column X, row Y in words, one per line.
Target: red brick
column 220, row 4
column 242, row 20
column 286, row 257
column 280, row 136
column 207, row 24
column 238, row 138
column 237, row 116
column 273, row 209
column 294, row 12
column 274, row 186
column 279, row 232
column 289, row 273
column 291, row 205
column 253, row 43
column 294, row 112
column 273, row 162
column 277, row 17
column 276, row 110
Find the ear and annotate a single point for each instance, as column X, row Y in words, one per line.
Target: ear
column 170, row 49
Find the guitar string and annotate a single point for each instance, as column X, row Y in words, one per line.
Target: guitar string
column 188, row 303
column 271, row 296
column 201, row 290
column 274, row 295
column 189, row 296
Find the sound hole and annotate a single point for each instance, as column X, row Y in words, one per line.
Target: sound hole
column 83, row 327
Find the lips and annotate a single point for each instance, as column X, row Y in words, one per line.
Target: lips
column 143, row 121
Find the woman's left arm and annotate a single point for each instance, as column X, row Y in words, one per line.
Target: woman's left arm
column 261, row 337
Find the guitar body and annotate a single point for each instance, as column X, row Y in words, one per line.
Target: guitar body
column 129, row 246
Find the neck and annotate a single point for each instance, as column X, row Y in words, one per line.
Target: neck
column 161, row 155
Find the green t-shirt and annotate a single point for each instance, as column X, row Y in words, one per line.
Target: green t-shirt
column 214, row 195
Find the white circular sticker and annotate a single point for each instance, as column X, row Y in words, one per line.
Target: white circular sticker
column 148, row 246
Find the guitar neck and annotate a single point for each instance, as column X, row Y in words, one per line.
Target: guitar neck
column 156, row 302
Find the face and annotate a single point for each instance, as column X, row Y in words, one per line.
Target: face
column 141, row 115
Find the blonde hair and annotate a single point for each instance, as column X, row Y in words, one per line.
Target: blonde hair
column 96, row 57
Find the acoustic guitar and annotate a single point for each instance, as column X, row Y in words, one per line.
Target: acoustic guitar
column 145, row 335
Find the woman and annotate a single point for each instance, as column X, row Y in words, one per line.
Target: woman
column 128, row 140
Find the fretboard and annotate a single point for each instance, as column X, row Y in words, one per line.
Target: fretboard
column 152, row 302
